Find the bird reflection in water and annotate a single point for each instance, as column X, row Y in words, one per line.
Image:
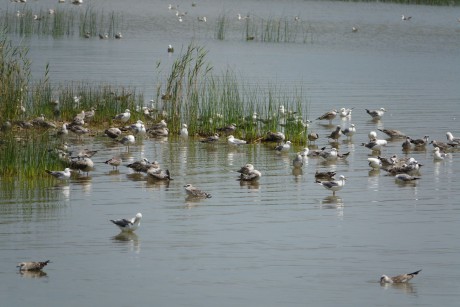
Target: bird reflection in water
column 405, row 287
column 128, row 237
column 332, row 202
column 252, row 185
column 33, row 274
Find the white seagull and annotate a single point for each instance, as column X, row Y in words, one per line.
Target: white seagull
column 451, row 138
column 123, row 117
column 398, row 279
column 345, row 112
column 184, row 131
column 375, row 163
column 376, row 114
column 128, row 225
column 438, row 155
column 63, row 175
column 334, row 185
column 350, row 131
column 232, row 141
column 405, row 178
column 284, row 147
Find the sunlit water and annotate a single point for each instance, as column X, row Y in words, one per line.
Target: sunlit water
column 284, row 241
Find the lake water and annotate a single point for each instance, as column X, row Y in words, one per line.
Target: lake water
column 284, row 241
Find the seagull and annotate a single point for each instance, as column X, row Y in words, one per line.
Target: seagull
column 118, row 35
column 63, row 131
column 232, row 141
column 202, row 19
column 407, row 144
column 375, row 145
column 143, row 165
column 115, row 162
column 329, row 155
column 334, row 185
column 398, row 279
column 350, row 131
column 252, row 175
column 128, row 140
column 328, row 116
column 85, row 164
column 246, row 169
column 170, row 49
column 372, row 135
column 345, row 112
column 275, row 137
column 438, row 155
column 113, row 133
column 128, row 225
column 335, row 135
column 284, row 147
column 393, row 133
column 32, row 266
column 157, row 173
column 376, row 114
column 375, row 163
column 228, row 129
column 194, row 192
column 451, row 138
column 298, row 161
column 86, row 153
column 123, row 117
column 184, row 131
column 404, row 17
column 405, row 178
column 420, row 142
column 62, row 175
column 313, row 136
column 242, row 17
column 212, row 139
column 354, row 29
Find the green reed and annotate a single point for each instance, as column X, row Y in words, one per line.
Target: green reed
column 61, row 23
column 221, row 27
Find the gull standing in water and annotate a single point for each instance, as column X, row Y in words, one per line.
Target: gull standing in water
column 62, row 175
column 345, row 112
column 376, row 114
column 284, row 147
column 451, row 138
column 335, row 135
column 334, row 185
column 128, row 140
column 115, row 162
column 298, row 160
column 438, row 155
column 393, row 133
column 128, row 225
column 350, row 131
column 194, row 192
column 328, row 116
column 398, row 279
column 184, row 131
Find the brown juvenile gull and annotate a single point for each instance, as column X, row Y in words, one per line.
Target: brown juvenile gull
column 115, row 162
column 32, row 266
column 336, row 133
column 313, row 136
column 393, row 133
column 328, row 116
column 128, row 225
column 398, row 279
column 194, row 192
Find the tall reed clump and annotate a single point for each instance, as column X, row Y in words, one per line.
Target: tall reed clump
column 15, row 76
column 221, row 27
column 206, row 102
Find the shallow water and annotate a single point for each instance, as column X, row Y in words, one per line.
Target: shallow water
column 283, row 241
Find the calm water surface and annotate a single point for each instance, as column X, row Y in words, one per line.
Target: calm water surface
column 284, row 241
